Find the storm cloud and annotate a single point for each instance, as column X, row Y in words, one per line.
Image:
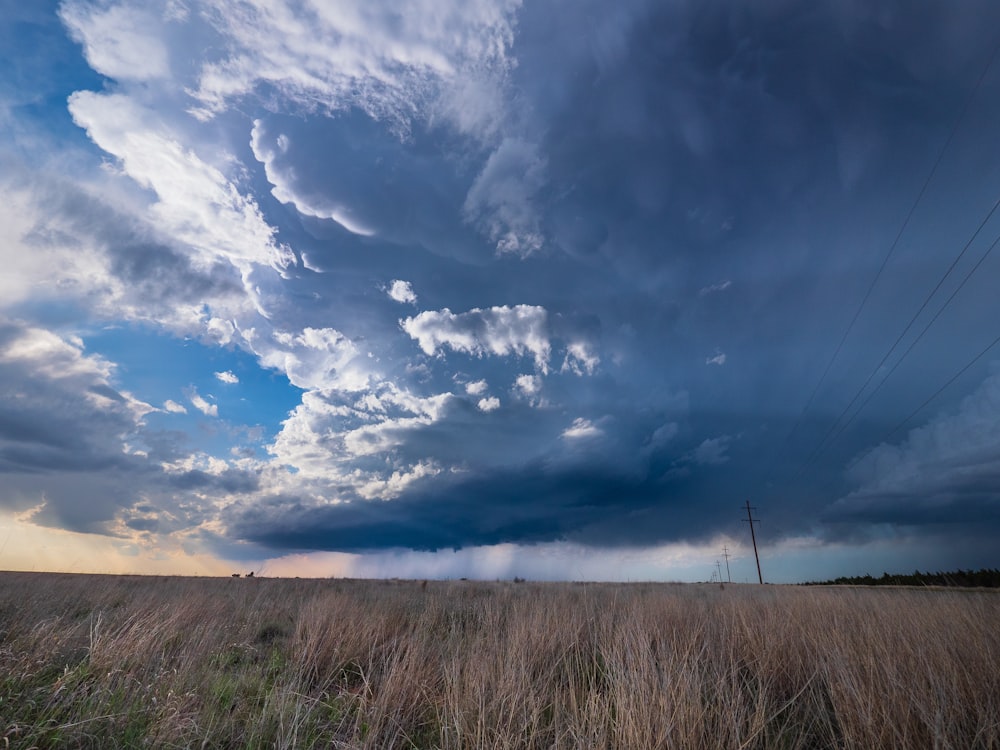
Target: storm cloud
column 281, row 278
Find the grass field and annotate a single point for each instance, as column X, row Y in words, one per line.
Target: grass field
column 109, row 661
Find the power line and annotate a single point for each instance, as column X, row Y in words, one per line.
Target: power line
column 822, row 443
column 899, row 234
column 936, row 393
column 915, row 341
column 751, row 520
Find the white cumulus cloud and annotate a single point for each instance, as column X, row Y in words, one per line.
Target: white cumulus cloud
column 528, row 385
column 319, row 358
column 173, row 407
column 402, row 291
column 476, row 388
column 196, row 203
column 489, row 404
column 227, row 377
column 501, row 331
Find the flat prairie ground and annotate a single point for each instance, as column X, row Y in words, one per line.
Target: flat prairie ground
column 120, row 661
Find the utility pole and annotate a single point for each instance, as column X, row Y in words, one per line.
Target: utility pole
column 725, row 554
column 719, row 569
column 751, row 520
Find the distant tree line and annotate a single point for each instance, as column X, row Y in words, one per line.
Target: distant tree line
column 985, row 578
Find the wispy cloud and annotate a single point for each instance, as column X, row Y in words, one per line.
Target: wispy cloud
column 119, row 42
column 582, row 428
column 199, row 403
column 712, row 451
column 712, row 288
column 392, row 65
column 502, row 199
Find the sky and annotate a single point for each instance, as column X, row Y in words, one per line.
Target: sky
column 485, row 288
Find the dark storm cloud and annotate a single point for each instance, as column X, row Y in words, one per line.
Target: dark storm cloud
column 65, row 430
column 532, row 505
column 606, row 483
column 377, row 185
column 59, row 413
column 630, row 235
column 231, row 481
column 62, row 427
column 944, row 472
column 159, row 274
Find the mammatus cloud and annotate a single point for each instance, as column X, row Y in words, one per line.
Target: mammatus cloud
column 227, row 377
column 402, row 291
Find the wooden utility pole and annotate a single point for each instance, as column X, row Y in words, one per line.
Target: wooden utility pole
column 751, row 520
column 725, row 554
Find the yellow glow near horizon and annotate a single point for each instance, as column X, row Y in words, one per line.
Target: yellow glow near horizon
column 25, row 546
column 29, row 547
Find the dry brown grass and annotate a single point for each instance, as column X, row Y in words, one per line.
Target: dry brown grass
column 104, row 661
